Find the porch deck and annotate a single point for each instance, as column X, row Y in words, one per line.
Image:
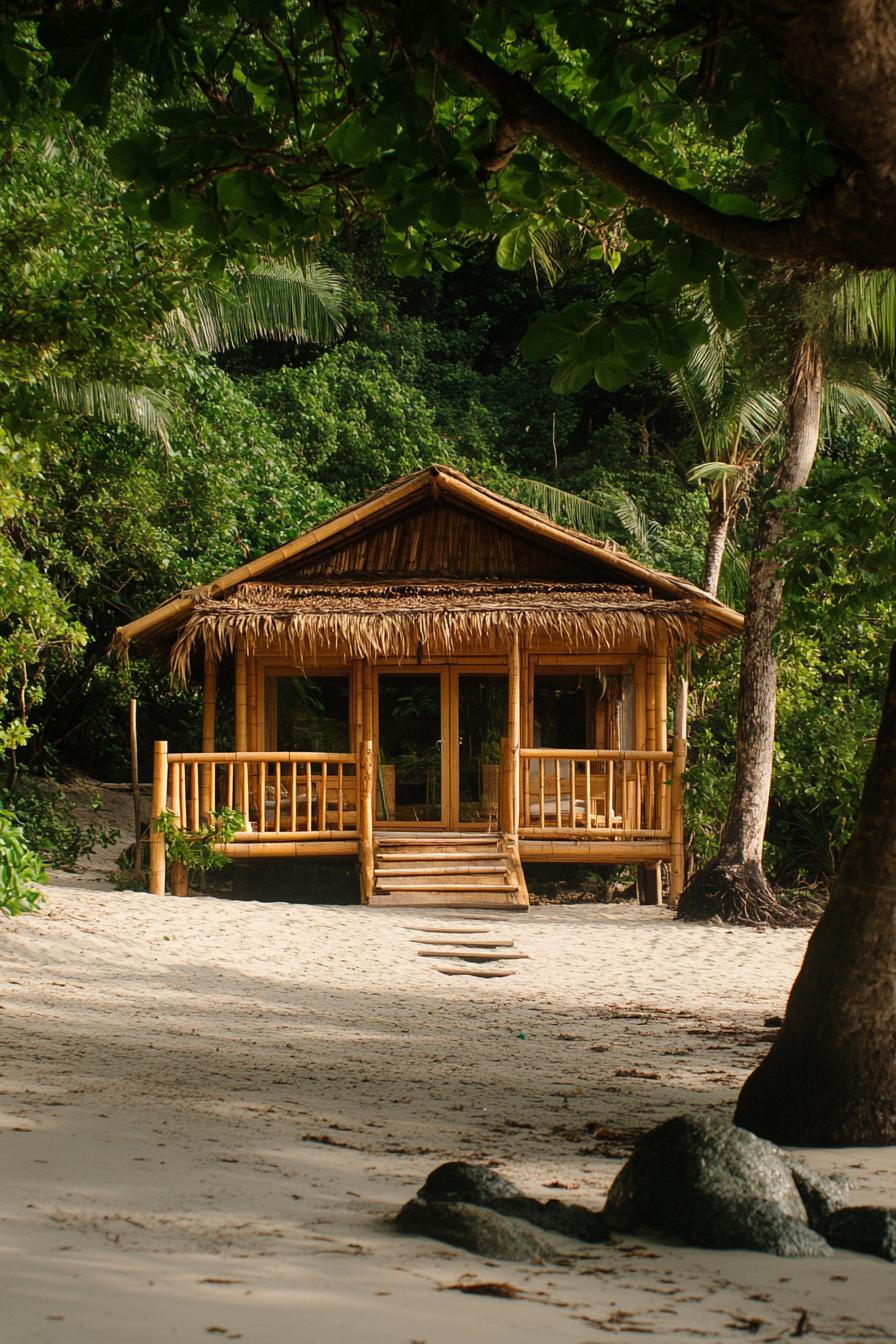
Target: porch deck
column 593, row 806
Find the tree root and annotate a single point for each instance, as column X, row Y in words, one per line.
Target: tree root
column 736, row 893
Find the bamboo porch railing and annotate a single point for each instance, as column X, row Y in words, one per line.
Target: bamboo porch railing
column 624, row 795
column 282, row 795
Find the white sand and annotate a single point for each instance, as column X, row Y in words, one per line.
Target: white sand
column 170, row 1067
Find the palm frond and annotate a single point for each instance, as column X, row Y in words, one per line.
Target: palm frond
column 734, row 576
column 716, row 471
column 277, row 300
column 611, row 508
column 865, row 309
column 114, row 404
column 865, row 395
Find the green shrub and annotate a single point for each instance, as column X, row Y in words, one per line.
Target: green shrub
column 19, row 869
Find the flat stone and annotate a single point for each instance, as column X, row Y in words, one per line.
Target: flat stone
column 475, row 1229
column 713, row 1184
column 472, row 1184
column 866, row 1228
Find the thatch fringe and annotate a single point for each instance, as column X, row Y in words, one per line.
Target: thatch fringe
column 379, row 621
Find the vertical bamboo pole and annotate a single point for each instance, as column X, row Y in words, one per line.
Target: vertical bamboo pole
column 650, row 702
column 209, row 697
column 159, row 799
column 367, row 735
column 513, row 729
column 662, row 701
column 679, row 761
column 240, row 718
column 365, row 822
column 505, row 790
column 137, row 865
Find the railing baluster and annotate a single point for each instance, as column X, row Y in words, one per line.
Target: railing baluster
column 558, row 793
column 610, row 806
column 194, row 789
column 541, row 792
column 230, row 799
column 277, row 796
column 292, row 797
column 587, row 795
column 244, row 806
column 260, row 776
column 308, row 796
column 184, row 814
column 322, row 808
column 339, row 800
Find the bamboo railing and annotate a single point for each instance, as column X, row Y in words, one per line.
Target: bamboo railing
column 282, row 795
column 625, row 795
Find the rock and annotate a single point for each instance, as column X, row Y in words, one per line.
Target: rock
column 865, row 1228
column 471, row 1184
column 713, row 1184
column 468, row 1183
column 475, row 1229
column 821, row 1195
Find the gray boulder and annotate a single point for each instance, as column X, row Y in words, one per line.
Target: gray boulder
column 475, row 1229
column 471, row 1184
column 713, row 1184
column 868, row 1229
column 821, row 1195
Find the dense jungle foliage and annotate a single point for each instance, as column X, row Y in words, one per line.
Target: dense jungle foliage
column 133, row 463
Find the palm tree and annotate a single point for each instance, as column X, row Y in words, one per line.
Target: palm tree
column 834, row 326
column 734, row 418
column 289, row 300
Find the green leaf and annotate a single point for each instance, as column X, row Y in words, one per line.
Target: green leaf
column 611, row 374
column 446, row 207
column 514, row 249
column 643, row 225
column 571, row 377
column 549, row 335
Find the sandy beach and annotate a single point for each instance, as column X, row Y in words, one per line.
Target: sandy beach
column 211, row 1109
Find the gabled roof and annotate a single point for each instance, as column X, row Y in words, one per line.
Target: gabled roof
column 448, row 485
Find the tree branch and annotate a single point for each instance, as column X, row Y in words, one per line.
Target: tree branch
column 827, row 231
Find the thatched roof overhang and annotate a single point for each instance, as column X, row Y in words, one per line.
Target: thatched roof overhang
column 169, row 622
column 407, row 620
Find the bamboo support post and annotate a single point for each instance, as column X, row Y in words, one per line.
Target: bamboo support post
column 240, row 720
column 679, row 761
column 159, row 800
column 209, row 696
column 513, row 729
column 137, row 865
column 365, row 820
column 505, row 789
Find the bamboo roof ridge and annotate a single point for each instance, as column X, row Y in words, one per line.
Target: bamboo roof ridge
column 398, row 619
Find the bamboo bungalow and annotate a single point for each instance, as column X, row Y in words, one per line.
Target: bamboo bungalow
column 446, row 685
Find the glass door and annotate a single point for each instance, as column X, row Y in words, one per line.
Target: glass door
column 411, row 776
column 480, row 703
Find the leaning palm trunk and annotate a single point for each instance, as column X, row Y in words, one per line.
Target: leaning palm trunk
column 733, row 885
column 830, row 1077
column 716, row 537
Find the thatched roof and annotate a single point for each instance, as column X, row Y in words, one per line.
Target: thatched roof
column 599, row 561
column 400, row 620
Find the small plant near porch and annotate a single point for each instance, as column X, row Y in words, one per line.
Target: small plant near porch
column 198, row 851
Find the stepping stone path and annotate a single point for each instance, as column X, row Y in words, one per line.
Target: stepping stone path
column 466, row 948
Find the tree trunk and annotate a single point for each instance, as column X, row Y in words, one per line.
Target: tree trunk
column 733, row 884
column 717, row 535
column 830, row 1077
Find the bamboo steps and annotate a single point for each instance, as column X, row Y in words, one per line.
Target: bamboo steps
column 448, row 868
